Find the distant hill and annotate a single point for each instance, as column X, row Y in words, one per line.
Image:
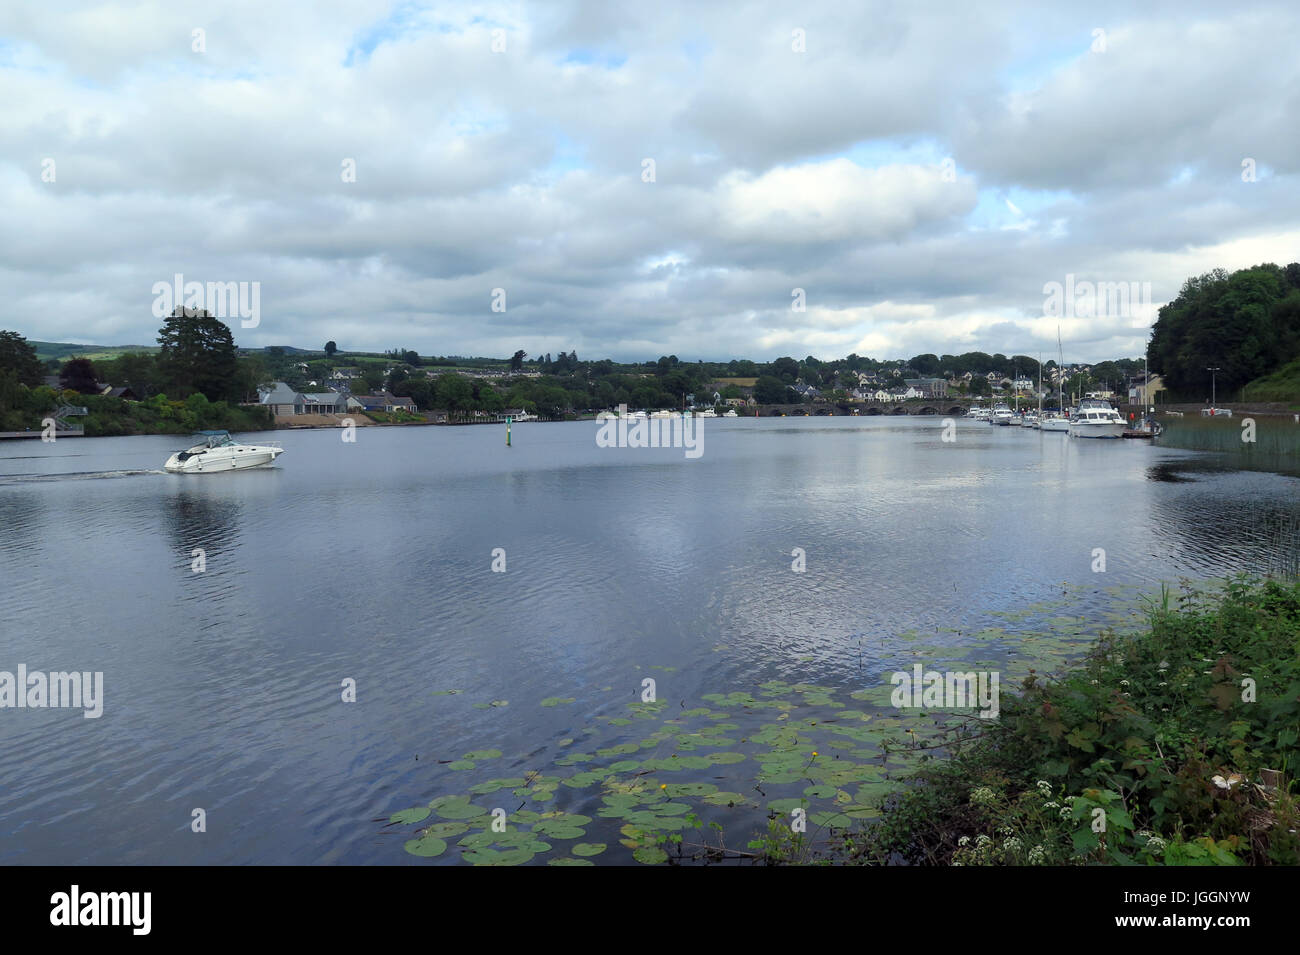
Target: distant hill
column 63, row 350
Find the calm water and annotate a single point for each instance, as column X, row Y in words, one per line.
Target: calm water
column 372, row 561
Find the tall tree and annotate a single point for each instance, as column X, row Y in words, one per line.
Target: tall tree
column 330, row 349
column 517, row 360
column 78, row 374
column 18, row 356
column 197, row 354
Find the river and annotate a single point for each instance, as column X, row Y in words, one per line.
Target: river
column 373, row 562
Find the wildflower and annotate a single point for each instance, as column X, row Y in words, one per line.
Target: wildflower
column 1044, row 787
column 1052, row 805
column 1164, row 665
column 964, row 841
column 1065, row 812
column 983, row 796
column 1037, row 856
column 1123, row 682
column 1162, row 683
column 983, row 840
column 1011, row 845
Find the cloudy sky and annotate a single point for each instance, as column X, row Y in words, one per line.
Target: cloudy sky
column 920, row 170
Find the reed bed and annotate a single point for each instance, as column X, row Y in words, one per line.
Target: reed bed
column 1275, row 436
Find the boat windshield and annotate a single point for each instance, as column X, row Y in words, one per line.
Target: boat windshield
column 214, row 439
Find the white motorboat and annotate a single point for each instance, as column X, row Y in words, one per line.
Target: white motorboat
column 1095, row 418
column 731, row 413
column 706, row 413
column 662, row 414
column 1029, row 420
column 1001, row 414
column 218, row 451
column 1057, row 423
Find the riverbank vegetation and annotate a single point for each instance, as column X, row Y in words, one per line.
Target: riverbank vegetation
column 1270, row 440
column 1172, row 746
column 1245, row 325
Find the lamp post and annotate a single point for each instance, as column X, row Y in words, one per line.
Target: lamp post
column 1213, row 390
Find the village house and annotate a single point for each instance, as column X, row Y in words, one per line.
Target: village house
column 281, row 400
column 928, row 387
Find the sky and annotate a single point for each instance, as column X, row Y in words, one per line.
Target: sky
column 629, row 180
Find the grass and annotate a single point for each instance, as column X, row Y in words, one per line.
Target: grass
column 1282, row 385
column 1274, row 436
column 1173, row 746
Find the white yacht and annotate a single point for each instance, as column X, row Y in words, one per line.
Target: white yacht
column 1058, row 423
column 1029, row 420
column 1095, row 418
column 662, row 414
column 218, row 451
column 731, row 413
column 1001, row 414
column 706, row 413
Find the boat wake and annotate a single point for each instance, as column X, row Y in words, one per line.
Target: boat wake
column 8, row 479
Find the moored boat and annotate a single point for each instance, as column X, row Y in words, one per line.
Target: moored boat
column 1095, row 418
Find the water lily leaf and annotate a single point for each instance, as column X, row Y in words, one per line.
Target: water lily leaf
column 565, row 860
column 562, row 832
column 650, row 855
column 428, row 847
column 493, row 785
column 689, row 789
column 483, row 754
column 462, row 764
column 494, row 857
column 723, row 759
column 819, row 791
column 444, row 830
column 409, row 815
column 588, row 848
column 624, row 766
column 785, row 806
column 557, row 700
column 724, row 799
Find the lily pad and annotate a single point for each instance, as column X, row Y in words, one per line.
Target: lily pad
column 427, row 847
column 588, row 848
column 410, row 815
column 495, row 857
column 650, row 855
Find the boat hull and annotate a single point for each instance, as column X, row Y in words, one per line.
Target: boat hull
column 241, row 458
column 1055, row 424
column 1096, row 430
